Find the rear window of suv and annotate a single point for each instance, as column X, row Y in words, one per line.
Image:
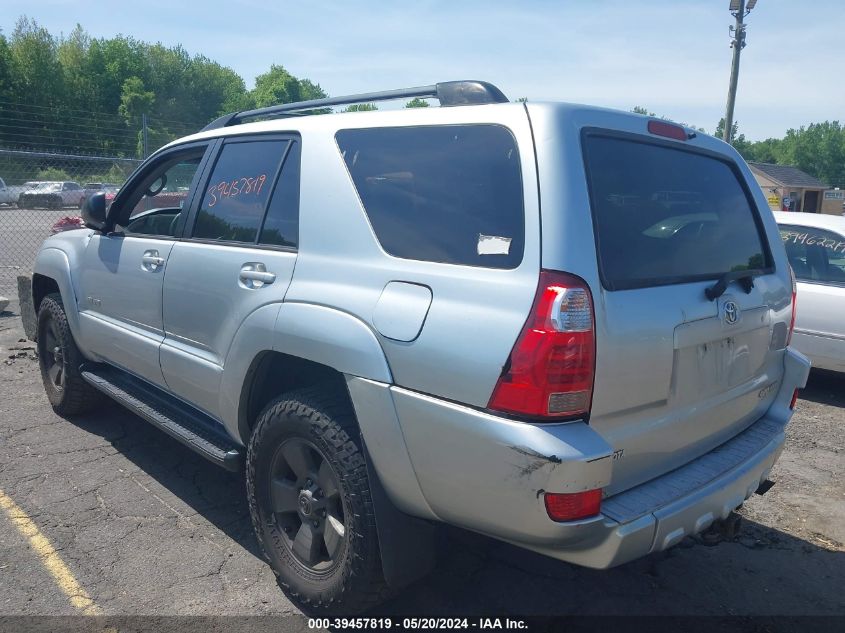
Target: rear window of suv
column 448, row 193
column 667, row 216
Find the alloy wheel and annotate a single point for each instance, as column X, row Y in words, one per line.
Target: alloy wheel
column 306, row 502
column 54, row 361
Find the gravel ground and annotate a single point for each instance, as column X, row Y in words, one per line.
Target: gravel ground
column 148, row 528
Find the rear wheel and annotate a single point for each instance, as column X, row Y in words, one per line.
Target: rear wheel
column 59, row 359
column 310, row 503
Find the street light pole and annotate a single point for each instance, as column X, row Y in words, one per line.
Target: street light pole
column 737, row 43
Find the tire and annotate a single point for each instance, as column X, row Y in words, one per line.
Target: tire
column 59, row 359
column 311, row 437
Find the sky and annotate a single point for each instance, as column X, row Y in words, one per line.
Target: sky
column 670, row 56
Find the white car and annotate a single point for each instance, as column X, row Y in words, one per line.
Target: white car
column 815, row 246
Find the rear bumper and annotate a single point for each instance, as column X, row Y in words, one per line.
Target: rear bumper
column 489, row 474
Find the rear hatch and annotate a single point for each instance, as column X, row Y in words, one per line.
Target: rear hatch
column 677, row 372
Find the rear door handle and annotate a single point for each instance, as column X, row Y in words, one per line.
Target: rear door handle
column 151, row 261
column 255, row 275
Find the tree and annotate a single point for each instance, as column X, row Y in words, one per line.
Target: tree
column 642, row 110
column 35, row 64
column 416, row 102
column 279, row 86
column 360, row 107
column 135, row 101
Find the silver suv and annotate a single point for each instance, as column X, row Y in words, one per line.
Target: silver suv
column 560, row 326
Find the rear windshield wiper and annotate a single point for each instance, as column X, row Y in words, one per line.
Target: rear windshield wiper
column 744, row 277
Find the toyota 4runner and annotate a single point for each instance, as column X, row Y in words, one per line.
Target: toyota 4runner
column 560, row 326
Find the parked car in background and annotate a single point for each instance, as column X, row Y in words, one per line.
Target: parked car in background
column 815, row 247
column 9, row 194
column 6, row 195
column 91, row 188
column 52, row 195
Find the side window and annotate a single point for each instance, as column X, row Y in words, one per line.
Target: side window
column 153, row 203
column 235, row 196
column 815, row 255
column 450, row 193
column 281, row 225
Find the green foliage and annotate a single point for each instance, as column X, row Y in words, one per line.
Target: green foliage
column 53, row 173
column 818, row 149
column 135, row 101
column 642, row 110
column 81, row 94
column 279, row 86
column 416, row 102
column 360, row 107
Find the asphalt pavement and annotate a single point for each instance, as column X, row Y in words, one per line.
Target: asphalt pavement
column 141, row 526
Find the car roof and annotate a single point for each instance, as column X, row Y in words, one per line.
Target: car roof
column 440, row 115
column 815, row 220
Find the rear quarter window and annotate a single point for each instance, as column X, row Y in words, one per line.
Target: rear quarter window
column 667, row 216
column 450, row 194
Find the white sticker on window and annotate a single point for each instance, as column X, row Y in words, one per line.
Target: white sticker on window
column 493, row 245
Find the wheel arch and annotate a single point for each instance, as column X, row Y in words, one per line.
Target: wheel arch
column 51, row 273
column 291, row 345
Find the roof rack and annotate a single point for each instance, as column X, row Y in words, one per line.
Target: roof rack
column 449, row 93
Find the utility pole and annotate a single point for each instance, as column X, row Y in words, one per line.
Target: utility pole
column 737, row 43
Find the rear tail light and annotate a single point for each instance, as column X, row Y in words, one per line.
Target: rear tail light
column 794, row 399
column 573, row 506
column 552, row 365
column 794, row 305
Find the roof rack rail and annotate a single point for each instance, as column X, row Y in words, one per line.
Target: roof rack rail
column 449, row 93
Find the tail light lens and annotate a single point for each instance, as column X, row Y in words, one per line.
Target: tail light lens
column 794, row 305
column 551, row 367
column 573, row 506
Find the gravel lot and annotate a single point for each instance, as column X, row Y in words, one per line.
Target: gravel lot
column 148, row 528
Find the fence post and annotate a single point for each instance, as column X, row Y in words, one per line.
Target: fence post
column 144, row 134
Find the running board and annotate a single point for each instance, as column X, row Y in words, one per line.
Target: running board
column 194, row 429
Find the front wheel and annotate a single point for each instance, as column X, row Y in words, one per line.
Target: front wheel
column 60, row 359
column 310, row 503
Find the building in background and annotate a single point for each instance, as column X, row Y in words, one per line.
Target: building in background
column 787, row 188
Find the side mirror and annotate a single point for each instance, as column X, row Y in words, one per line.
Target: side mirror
column 94, row 211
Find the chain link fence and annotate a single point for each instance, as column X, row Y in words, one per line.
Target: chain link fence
column 50, row 161
column 43, row 194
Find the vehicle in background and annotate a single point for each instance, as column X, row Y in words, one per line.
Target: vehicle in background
column 9, row 194
column 815, row 247
column 91, row 188
column 52, row 195
column 6, row 195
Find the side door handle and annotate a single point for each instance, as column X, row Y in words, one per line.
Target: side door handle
column 151, row 261
column 254, row 275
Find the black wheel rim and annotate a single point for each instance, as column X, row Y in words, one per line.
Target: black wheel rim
column 54, row 361
column 307, row 505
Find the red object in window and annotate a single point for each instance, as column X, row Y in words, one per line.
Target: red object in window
column 573, row 506
column 669, row 130
column 551, row 368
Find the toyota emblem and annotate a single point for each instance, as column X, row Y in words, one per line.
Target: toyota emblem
column 731, row 312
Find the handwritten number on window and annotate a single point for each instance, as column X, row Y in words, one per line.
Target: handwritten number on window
column 238, row 187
